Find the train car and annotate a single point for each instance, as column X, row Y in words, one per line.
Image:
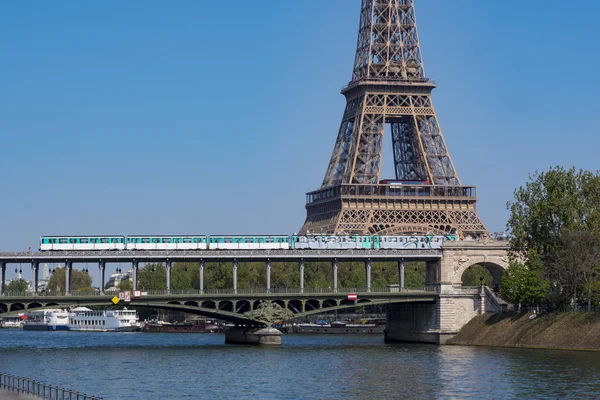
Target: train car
column 152, row 242
column 248, row 242
column 331, row 242
column 48, row 243
column 412, row 241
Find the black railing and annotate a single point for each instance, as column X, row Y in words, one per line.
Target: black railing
column 41, row 390
column 390, row 191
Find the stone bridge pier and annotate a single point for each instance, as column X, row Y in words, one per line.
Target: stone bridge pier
column 438, row 321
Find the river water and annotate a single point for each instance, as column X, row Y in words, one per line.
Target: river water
column 196, row 366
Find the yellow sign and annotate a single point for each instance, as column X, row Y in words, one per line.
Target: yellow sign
column 115, row 300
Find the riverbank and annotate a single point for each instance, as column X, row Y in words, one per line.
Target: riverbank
column 566, row 331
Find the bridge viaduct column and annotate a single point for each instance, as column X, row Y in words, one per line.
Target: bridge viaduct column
column 168, row 265
column 401, row 273
column 368, row 272
column 334, row 266
column 102, row 268
column 235, row 269
column 35, row 267
column 268, row 265
column 201, row 276
column 3, row 273
column 135, row 265
column 68, row 270
column 432, row 272
column 301, row 265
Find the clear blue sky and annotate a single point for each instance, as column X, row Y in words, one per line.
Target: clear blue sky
column 215, row 117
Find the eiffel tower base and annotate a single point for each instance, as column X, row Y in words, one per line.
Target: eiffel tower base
column 387, row 210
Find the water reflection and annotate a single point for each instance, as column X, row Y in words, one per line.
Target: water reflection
column 192, row 366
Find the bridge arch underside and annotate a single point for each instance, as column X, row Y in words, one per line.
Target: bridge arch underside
column 236, row 311
column 494, row 265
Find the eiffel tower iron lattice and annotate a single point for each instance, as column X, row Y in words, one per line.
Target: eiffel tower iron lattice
column 389, row 87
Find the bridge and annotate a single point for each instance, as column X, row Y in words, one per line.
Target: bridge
column 430, row 314
column 240, row 306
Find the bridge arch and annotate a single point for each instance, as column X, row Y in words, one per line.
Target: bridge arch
column 17, row 307
column 494, row 265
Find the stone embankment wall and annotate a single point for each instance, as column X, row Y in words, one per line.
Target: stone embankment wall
column 570, row 331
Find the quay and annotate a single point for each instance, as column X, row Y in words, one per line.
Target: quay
column 19, row 387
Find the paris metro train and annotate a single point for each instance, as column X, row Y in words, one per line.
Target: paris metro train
column 204, row 242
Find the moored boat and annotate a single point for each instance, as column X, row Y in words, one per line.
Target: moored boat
column 193, row 326
column 46, row 320
column 12, row 322
column 87, row 320
column 339, row 327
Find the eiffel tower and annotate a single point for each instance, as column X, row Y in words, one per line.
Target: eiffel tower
column 389, row 88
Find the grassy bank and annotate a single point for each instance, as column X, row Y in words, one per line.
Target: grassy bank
column 572, row 331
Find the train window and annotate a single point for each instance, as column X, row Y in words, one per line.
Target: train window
column 187, row 240
column 270, row 240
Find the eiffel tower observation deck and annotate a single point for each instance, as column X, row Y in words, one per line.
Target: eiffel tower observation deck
column 389, row 88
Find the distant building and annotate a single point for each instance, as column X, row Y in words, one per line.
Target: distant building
column 115, row 279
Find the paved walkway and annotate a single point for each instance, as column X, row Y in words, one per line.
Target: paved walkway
column 13, row 396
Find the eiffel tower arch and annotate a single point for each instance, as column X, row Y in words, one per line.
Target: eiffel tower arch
column 389, row 88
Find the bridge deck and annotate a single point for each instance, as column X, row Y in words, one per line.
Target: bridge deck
column 220, row 255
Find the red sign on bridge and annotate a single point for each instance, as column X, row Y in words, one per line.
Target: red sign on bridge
column 352, row 296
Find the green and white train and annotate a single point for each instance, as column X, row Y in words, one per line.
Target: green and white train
column 259, row 242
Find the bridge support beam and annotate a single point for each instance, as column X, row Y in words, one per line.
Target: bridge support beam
column 68, row 273
column 235, row 271
column 334, row 266
column 433, row 272
column 168, row 265
column 401, row 273
column 35, row 268
column 102, row 268
column 368, row 272
column 135, row 265
column 301, row 266
column 201, row 276
column 3, row 276
column 268, row 265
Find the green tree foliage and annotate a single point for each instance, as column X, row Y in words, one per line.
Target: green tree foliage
column 17, row 286
column 555, row 227
column 550, row 203
column 80, row 281
column 152, row 277
column 125, row 286
column 521, row 285
column 472, row 276
column 575, row 266
column 253, row 275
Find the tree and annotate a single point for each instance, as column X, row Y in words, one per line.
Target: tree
column 550, row 203
column 574, row 265
column 17, row 286
column 152, row 277
column 521, row 285
column 125, row 286
column 80, row 281
column 472, row 276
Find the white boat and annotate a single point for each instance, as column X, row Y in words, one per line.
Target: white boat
column 46, row 320
column 11, row 322
column 87, row 320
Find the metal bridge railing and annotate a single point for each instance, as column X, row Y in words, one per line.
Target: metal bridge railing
column 241, row 291
column 41, row 390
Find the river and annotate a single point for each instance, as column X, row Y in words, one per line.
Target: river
column 195, row 366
